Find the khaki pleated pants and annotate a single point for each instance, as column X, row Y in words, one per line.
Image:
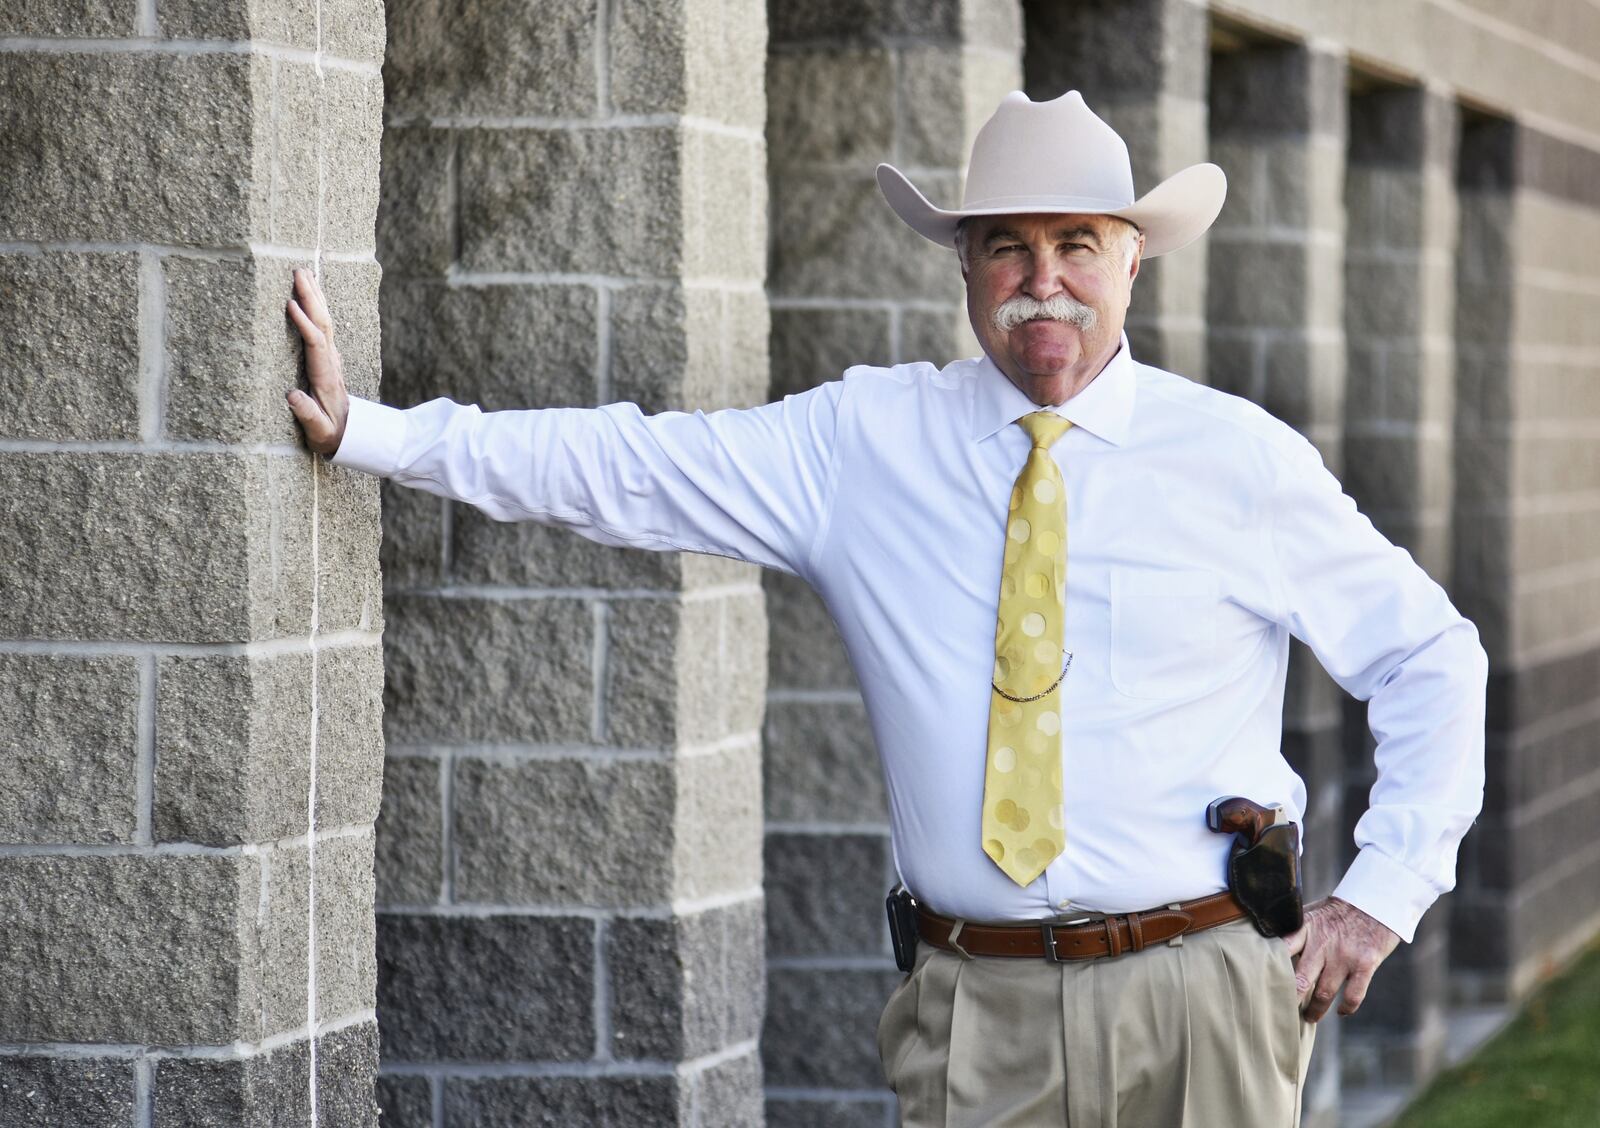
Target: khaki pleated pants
column 1206, row 1034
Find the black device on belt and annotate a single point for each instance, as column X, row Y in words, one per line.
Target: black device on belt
column 903, row 927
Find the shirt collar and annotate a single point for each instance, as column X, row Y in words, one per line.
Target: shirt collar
column 1103, row 408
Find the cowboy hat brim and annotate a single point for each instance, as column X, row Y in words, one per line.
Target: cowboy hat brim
column 1172, row 215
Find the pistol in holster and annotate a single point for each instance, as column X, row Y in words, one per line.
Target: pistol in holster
column 1264, row 864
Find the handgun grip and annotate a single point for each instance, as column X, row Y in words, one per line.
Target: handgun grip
column 1234, row 814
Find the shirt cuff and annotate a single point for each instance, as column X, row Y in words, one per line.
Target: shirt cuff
column 1386, row 891
column 373, row 436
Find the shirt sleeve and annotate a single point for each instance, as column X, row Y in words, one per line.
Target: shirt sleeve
column 1389, row 635
column 750, row 483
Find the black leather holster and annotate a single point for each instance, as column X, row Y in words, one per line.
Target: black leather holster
column 1263, row 865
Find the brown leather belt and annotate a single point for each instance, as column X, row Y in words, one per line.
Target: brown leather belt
column 1077, row 938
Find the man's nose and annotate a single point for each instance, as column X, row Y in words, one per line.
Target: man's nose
column 1044, row 277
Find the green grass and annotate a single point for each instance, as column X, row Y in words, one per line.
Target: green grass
column 1541, row 1071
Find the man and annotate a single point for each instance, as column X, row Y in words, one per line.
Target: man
column 1067, row 583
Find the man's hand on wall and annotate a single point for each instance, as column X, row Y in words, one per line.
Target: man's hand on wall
column 322, row 414
column 1337, row 946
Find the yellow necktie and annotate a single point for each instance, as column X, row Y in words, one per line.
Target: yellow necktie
column 1022, row 819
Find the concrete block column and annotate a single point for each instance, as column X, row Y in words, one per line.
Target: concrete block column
column 849, row 85
column 190, row 665
column 1399, row 406
column 1275, row 298
column 1276, row 305
column 1524, row 563
column 1142, row 67
column 569, row 854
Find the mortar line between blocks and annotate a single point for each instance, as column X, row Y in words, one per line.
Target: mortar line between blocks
column 316, row 617
column 228, row 1051
column 186, row 48
column 152, row 347
column 602, row 994
column 144, row 765
column 896, row 108
column 447, row 830
column 436, row 1094
column 602, row 353
column 239, row 253
column 602, row 58
column 263, row 914
column 731, row 1052
column 447, row 532
column 611, row 122
column 174, row 849
column 600, row 666
column 272, row 178
column 452, row 186
column 143, row 1093
column 264, row 649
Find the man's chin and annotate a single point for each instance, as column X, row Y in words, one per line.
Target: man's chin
column 1046, row 350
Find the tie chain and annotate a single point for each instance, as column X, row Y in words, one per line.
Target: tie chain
column 1036, row 696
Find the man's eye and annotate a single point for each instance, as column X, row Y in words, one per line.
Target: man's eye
column 1076, row 247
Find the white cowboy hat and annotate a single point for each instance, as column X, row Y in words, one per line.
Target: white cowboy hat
column 1058, row 156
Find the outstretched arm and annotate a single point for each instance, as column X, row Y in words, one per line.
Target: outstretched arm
column 754, row 483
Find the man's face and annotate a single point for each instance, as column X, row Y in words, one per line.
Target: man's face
column 1080, row 266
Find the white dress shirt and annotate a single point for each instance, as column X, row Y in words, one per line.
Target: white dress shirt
column 1202, row 533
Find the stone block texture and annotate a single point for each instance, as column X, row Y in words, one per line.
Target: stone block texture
column 850, row 85
column 190, row 660
column 1399, row 317
column 1142, row 67
column 1529, row 886
column 574, row 212
column 588, row 778
column 1278, row 121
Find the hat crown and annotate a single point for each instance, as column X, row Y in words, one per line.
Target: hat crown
column 1059, row 149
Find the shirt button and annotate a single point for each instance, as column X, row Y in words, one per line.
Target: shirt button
column 1066, row 903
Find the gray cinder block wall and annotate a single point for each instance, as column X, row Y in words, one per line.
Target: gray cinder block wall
column 1526, row 520
column 157, row 671
column 850, row 85
column 570, row 926
column 1275, row 298
column 1524, row 514
column 1400, row 259
column 1142, row 66
column 190, row 669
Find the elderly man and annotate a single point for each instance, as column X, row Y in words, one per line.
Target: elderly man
column 1067, row 582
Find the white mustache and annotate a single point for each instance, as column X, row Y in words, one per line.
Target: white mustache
column 1016, row 310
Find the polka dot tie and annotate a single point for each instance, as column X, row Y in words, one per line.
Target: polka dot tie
column 1022, row 819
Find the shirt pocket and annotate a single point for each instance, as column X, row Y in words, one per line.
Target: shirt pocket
column 1164, row 632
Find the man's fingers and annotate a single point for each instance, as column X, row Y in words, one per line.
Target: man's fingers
column 1325, row 988
column 308, row 411
column 1355, row 990
column 314, row 336
column 305, row 282
column 1308, row 971
column 1296, row 941
column 321, row 435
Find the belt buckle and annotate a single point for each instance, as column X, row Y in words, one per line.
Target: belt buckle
column 1047, row 931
